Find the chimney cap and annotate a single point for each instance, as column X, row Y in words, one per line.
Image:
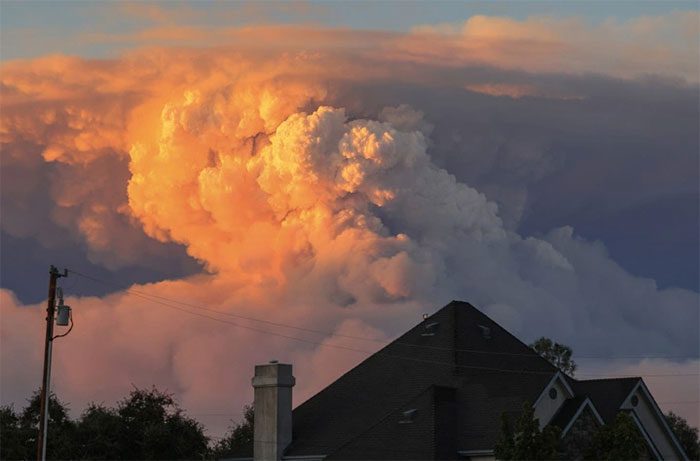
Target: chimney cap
column 273, row 374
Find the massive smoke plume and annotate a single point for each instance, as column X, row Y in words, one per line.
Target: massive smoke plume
column 309, row 202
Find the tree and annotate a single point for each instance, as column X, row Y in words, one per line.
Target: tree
column 61, row 429
column 577, row 441
column 239, row 437
column 687, row 435
column 12, row 435
column 557, row 354
column 148, row 424
column 152, row 426
column 525, row 440
column 98, row 434
column 618, row 441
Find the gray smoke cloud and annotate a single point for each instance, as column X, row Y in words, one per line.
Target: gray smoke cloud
column 312, row 193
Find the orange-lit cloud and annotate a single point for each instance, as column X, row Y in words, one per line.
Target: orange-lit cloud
column 664, row 44
column 300, row 211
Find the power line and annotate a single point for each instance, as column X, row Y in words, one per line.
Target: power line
column 360, row 338
column 230, row 314
column 679, row 402
column 150, row 298
column 659, row 402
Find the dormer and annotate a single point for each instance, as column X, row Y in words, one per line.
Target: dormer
column 552, row 397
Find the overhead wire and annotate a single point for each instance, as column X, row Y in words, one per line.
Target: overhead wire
column 162, row 301
column 341, row 335
column 660, row 402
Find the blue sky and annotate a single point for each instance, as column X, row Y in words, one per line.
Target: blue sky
column 41, row 27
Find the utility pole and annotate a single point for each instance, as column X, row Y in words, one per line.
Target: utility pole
column 46, row 381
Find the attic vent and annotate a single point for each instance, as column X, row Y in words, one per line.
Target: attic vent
column 485, row 331
column 430, row 329
column 408, row 416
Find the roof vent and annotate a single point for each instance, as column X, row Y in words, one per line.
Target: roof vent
column 485, row 331
column 430, row 329
column 408, row 416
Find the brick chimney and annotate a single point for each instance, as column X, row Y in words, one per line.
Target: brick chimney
column 272, row 431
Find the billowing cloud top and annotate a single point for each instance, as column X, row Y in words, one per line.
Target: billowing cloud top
column 288, row 164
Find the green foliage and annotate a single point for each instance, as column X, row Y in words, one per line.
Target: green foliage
column 60, row 444
column 577, row 441
column 238, row 438
column 148, row 424
column 98, row 433
column 618, row 441
column 687, row 435
column 12, row 435
column 524, row 439
column 152, row 426
column 557, row 354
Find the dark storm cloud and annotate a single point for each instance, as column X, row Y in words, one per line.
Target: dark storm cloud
column 609, row 151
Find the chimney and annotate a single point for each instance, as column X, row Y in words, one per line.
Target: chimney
column 272, row 432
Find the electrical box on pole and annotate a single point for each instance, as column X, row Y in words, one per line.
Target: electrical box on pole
column 46, row 380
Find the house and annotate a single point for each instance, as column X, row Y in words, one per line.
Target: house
column 438, row 392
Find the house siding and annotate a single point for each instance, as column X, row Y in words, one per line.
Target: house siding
column 546, row 407
column 649, row 419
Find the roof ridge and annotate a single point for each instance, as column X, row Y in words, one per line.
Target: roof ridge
column 451, row 331
column 384, row 349
column 519, row 347
column 618, row 378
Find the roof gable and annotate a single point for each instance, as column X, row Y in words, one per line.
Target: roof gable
column 571, row 411
column 457, row 347
column 656, row 416
column 606, row 394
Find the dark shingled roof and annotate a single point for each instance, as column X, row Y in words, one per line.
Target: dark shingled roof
column 438, row 389
column 567, row 411
column 459, row 393
column 606, row 394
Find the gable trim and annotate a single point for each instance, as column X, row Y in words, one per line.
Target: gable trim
column 585, row 403
column 659, row 414
column 645, row 434
column 560, row 376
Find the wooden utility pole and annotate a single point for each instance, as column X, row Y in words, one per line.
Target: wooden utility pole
column 46, row 381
